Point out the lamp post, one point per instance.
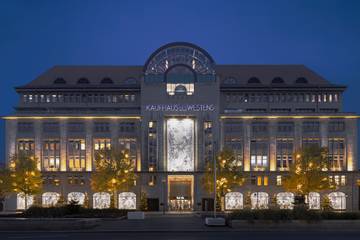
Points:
(214, 160)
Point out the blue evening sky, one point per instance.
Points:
(35, 35)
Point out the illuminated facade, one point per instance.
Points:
(172, 114)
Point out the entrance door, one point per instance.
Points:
(207, 204)
(180, 193)
(153, 204)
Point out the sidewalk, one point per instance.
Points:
(156, 222)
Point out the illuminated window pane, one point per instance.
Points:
(233, 201)
(338, 200)
(50, 199)
(21, 201)
(127, 200)
(314, 200)
(78, 197)
(285, 200)
(101, 200)
(259, 200)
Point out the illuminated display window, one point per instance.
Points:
(259, 200)
(285, 200)
(314, 200)
(127, 200)
(77, 197)
(101, 200)
(337, 200)
(233, 201)
(26, 146)
(102, 144)
(50, 199)
(284, 152)
(21, 199)
(259, 150)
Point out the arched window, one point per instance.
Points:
(50, 199)
(277, 80)
(77, 197)
(101, 200)
(83, 81)
(314, 200)
(259, 200)
(338, 200)
(301, 80)
(230, 80)
(285, 200)
(254, 80)
(233, 201)
(59, 81)
(127, 200)
(107, 80)
(20, 201)
(180, 80)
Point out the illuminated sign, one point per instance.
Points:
(180, 107)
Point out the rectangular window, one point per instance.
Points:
(127, 127)
(285, 127)
(129, 146)
(208, 141)
(25, 127)
(310, 142)
(259, 151)
(76, 155)
(76, 127)
(336, 154)
(236, 145)
(26, 146)
(311, 127)
(102, 144)
(278, 180)
(152, 145)
(51, 155)
(284, 152)
(101, 127)
(51, 127)
(337, 126)
(266, 180)
(259, 180)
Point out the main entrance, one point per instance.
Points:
(180, 192)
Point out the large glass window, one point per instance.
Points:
(314, 200)
(310, 142)
(127, 200)
(51, 155)
(259, 150)
(284, 152)
(76, 154)
(21, 199)
(233, 201)
(129, 145)
(50, 199)
(285, 200)
(338, 200)
(236, 145)
(101, 200)
(259, 200)
(336, 154)
(77, 197)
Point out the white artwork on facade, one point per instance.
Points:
(77, 197)
(338, 200)
(101, 200)
(314, 200)
(259, 200)
(20, 201)
(50, 199)
(180, 145)
(127, 200)
(285, 200)
(233, 201)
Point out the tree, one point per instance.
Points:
(228, 174)
(308, 173)
(5, 183)
(25, 178)
(114, 172)
(143, 201)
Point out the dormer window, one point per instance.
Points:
(107, 81)
(83, 81)
(301, 80)
(277, 80)
(254, 80)
(59, 81)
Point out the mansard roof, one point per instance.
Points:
(130, 76)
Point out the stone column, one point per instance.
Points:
(63, 145)
(298, 134)
(38, 142)
(324, 132)
(351, 144)
(247, 138)
(10, 139)
(90, 166)
(272, 144)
